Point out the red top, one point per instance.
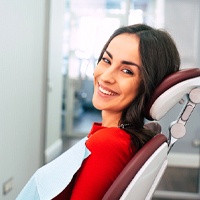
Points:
(110, 152)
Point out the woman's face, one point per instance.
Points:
(117, 75)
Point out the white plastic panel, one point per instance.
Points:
(146, 180)
(172, 96)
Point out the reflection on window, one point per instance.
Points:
(136, 16)
(94, 32)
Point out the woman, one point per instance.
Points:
(131, 65)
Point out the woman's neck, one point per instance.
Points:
(110, 119)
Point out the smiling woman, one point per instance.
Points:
(148, 53)
(132, 63)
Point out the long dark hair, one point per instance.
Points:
(160, 58)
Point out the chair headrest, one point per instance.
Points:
(172, 89)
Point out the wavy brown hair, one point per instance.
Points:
(160, 58)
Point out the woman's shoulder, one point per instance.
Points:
(112, 138)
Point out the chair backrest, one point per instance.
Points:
(132, 168)
(139, 179)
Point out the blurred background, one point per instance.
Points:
(48, 51)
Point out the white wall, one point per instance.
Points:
(23, 49)
(53, 144)
(182, 20)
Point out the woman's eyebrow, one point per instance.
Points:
(109, 54)
(130, 63)
(123, 62)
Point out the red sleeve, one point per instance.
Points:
(110, 152)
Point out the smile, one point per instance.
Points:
(106, 91)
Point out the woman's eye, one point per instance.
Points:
(127, 71)
(106, 60)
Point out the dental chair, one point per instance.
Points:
(139, 179)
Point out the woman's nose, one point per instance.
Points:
(109, 75)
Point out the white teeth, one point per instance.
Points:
(105, 91)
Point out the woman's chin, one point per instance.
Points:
(98, 107)
(95, 104)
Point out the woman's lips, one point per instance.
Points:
(106, 91)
